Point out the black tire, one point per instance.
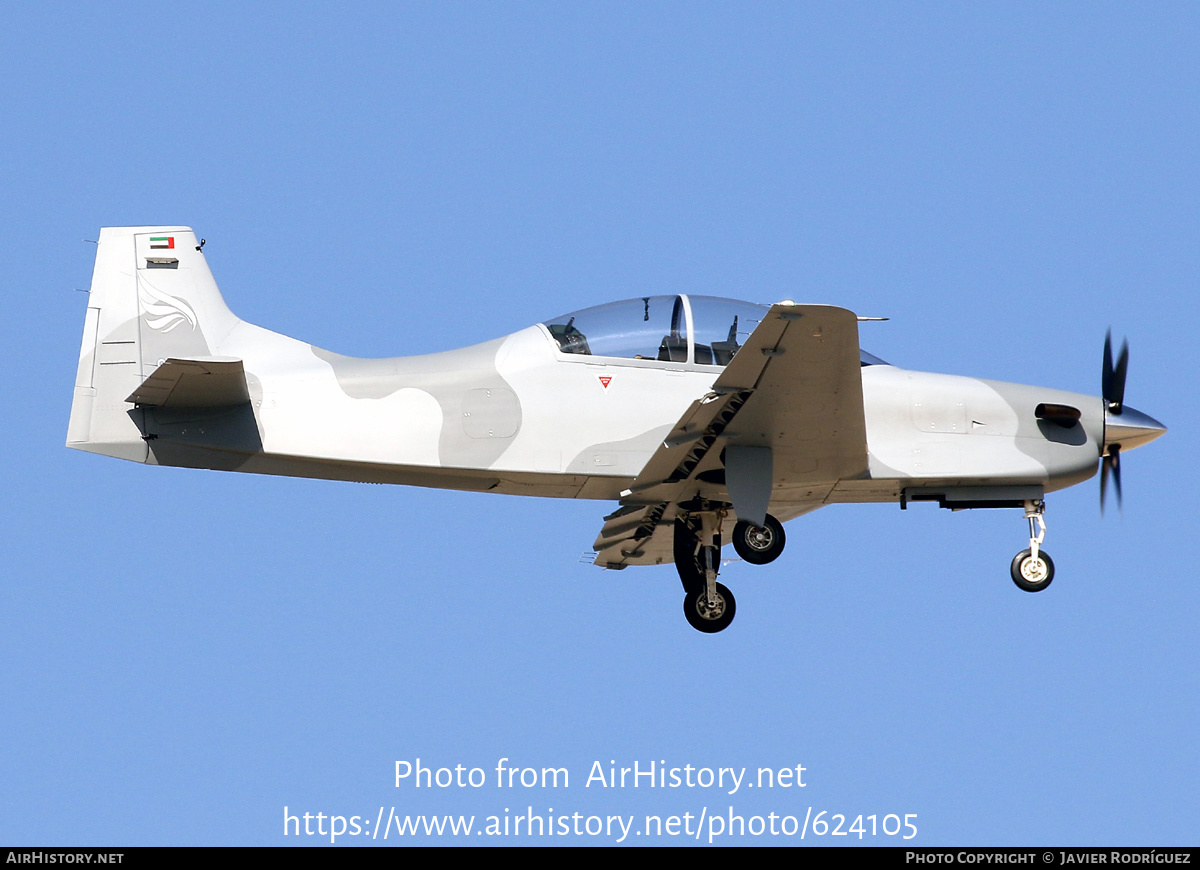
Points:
(758, 546)
(703, 618)
(1031, 576)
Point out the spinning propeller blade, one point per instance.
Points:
(1112, 381)
(1111, 461)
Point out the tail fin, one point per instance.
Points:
(152, 298)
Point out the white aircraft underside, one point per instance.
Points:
(708, 420)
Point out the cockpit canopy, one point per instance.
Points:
(702, 330)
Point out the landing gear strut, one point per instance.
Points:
(708, 605)
(1032, 569)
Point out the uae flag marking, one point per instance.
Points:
(158, 243)
(604, 380)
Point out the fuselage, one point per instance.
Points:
(517, 415)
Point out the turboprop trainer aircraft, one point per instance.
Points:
(709, 421)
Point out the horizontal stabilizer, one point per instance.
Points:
(198, 382)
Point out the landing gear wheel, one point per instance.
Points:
(709, 616)
(756, 545)
(1030, 574)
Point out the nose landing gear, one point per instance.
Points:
(1033, 569)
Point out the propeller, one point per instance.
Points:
(1112, 382)
(1112, 388)
(1112, 462)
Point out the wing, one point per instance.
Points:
(782, 425)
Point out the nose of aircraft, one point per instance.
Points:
(1129, 428)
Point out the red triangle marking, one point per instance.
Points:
(604, 380)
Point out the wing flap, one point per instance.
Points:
(636, 535)
(630, 523)
(199, 382)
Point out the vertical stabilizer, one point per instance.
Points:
(152, 297)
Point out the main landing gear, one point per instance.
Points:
(1033, 570)
(709, 606)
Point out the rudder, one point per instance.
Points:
(152, 297)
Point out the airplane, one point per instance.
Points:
(709, 421)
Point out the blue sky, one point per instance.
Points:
(185, 653)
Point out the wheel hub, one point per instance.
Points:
(760, 538)
(1034, 570)
(710, 608)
